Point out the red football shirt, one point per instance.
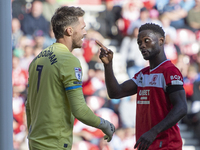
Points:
(153, 104)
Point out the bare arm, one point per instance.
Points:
(115, 90)
(178, 111)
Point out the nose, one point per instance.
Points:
(85, 32)
(142, 45)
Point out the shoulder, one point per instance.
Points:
(172, 74)
(169, 67)
(143, 71)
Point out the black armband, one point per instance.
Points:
(173, 88)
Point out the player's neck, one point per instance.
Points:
(66, 42)
(156, 61)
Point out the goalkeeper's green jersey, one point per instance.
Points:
(50, 117)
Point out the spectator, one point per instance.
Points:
(171, 49)
(39, 38)
(49, 7)
(144, 18)
(131, 9)
(130, 12)
(177, 11)
(154, 16)
(103, 145)
(19, 127)
(167, 27)
(124, 139)
(160, 5)
(89, 46)
(117, 140)
(24, 40)
(95, 80)
(192, 76)
(183, 62)
(19, 76)
(196, 95)
(198, 60)
(42, 40)
(18, 9)
(108, 22)
(35, 20)
(49, 39)
(16, 32)
(27, 57)
(149, 4)
(127, 110)
(37, 50)
(193, 16)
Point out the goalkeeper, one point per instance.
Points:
(55, 87)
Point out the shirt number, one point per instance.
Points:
(39, 69)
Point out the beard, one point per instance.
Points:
(77, 41)
(152, 53)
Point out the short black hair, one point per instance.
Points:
(153, 27)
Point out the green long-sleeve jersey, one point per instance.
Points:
(54, 98)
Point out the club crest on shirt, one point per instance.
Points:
(153, 80)
(78, 73)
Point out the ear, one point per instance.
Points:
(161, 41)
(69, 31)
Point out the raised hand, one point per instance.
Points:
(106, 55)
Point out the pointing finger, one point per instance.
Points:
(101, 45)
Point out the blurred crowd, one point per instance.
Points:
(116, 26)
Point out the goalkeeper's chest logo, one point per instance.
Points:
(78, 73)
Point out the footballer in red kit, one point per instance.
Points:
(161, 98)
(151, 87)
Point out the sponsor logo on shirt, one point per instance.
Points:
(143, 97)
(176, 80)
(143, 102)
(78, 73)
(144, 92)
(176, 77)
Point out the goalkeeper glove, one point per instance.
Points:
(107, 128)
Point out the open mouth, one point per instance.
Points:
(144, 52)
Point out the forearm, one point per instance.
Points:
(112, 85)
(80, 110)
(170, 120)
(178, 111)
